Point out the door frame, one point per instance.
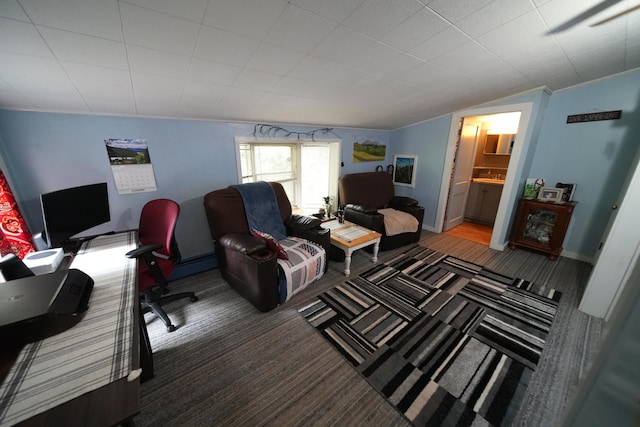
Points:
(456, 170)
(513, 183)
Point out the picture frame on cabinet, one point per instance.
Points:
(569, 191)
(550, 194)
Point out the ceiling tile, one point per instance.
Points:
(335, 10)
(223, 46)
(274, 59)
(419, 27)
(215, 73)
(151, 61)
(493, 15)
(69, 102)
(530, 29)
(243, 96)
(252, 18)
(299, 29)
(256, 80)
(454, 11)
(304, 88)
(20, 37)
(35, 76)
(192, 10)
(558, 12)
(11, 9)
(468, 56)
(326, 72)
(79, 48)
(200, 100)
(156, 30)
(102, 88)
(95, 18)
(194, 89)
(375, 18)
(440, 44)
(93, 81)
(354, 49)
(400, 65)
(156, 95)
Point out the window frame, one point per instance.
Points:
(335, 157)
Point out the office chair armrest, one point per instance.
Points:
(144, 249)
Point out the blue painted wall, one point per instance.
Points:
(427, 140)
(44, 152)
(598, 156)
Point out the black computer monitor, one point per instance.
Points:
(71, 211)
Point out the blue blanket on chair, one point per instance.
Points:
(262, 209)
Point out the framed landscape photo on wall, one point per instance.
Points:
(404, 170)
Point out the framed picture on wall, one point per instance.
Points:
(404, 170)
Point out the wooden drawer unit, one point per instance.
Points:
(541, 226)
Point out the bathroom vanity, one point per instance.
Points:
(483, 200)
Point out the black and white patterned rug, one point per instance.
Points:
(445, 341)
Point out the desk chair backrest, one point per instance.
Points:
(157, 224)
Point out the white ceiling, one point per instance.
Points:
(379, 64)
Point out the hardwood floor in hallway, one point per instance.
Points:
(472, 231)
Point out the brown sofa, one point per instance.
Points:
(245, 261)
(362, 194)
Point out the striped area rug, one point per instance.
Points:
(447, 342)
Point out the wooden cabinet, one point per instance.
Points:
(541, 226)
(483, 202)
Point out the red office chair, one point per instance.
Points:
(159, 253)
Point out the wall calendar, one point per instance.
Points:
(131, 165)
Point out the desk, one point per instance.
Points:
(86, 375)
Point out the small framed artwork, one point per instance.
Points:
(404, 170)
(550, 194)
(569, 191)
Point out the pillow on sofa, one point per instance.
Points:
(272, 243)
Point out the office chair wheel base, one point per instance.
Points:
(171, 328)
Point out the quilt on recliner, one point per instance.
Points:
(305, 265)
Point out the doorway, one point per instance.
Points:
(480, 166)
(516, 169)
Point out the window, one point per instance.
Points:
(308, 170)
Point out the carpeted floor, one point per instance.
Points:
(446, 341)
(229, 364)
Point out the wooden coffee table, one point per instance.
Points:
(350, 237)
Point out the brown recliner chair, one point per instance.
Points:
(362, 194)
(245, 261)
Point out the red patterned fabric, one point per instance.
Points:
(15, 237)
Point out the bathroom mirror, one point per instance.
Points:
(499, 143)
